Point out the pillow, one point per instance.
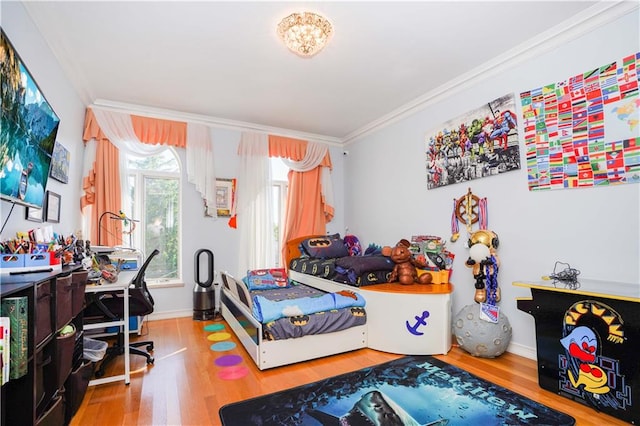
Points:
(365, 264)
(266, 279)
(324, 247)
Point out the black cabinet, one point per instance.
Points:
(587, 343)
(40, 397)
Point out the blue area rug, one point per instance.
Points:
(410, 391)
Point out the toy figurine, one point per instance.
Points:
(484, 264)
(405, 271)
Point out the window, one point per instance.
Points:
(279, 179)
(154, 200)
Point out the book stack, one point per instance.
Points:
(16, 309)
(4, 349)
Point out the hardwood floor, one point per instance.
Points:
(183, 387)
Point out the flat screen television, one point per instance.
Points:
(28, 132)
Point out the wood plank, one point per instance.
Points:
(183, 386)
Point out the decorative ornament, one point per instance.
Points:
(468, 209)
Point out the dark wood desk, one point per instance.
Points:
(588, 343)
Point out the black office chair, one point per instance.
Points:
(109, 306)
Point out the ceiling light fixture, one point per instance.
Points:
(305, 33)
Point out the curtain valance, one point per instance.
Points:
(146, 130)
(140, 136)
(163, 132)
(293, 149)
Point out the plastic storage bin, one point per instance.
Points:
(37, 259)
(94, 350)
(12, 260)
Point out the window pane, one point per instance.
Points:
(161, 210)
(163, 162)
(279, 170)
(275, 193)
(131, 234)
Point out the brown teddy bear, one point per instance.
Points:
(405, 271)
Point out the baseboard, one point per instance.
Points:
(521, 350)
(170, 314)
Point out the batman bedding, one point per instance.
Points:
(289, 309)
(342, 261)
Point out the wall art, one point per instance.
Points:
(224, 196)
(482, 142)
(60, 160)
(584, 131)
(52, 207)
(33, 214)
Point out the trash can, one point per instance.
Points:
(94, 350)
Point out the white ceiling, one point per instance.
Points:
(223, 62)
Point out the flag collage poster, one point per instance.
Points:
(584, 131)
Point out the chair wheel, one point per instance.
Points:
(99, 374)
(149, 348)
(150, 360)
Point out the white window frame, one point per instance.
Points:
(281, 204)
(139, 200)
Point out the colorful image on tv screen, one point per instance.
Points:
(27, 133)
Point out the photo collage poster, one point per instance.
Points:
(482, 142)
(584, 131)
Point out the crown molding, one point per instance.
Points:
(600, 14)
(211, 121)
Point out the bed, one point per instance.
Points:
(291, 339)
(401, 319)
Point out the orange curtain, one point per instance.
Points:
(155, 131)
(293, 149)
(102, 185)
(306, 212)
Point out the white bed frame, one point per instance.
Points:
(401, 319)
(274, 353)
(395, 313)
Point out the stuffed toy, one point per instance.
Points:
(405, 271)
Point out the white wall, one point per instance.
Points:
(595, 230)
